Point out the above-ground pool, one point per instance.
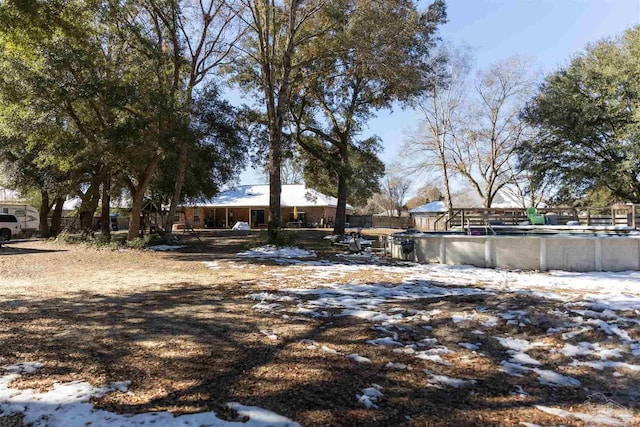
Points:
(569, 248)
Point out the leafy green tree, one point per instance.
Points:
(121, 77)
(276, 31)
(73, 65)
(216, 150)
(587, 115)
(367, 170)
(189, 42)
(376, 53)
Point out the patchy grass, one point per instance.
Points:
(190, 340)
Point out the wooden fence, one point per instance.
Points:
(625, 215)
(367, 221)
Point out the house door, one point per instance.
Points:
(257, 217)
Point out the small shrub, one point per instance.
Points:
(139, 243)
(116, 241)
(280, 238)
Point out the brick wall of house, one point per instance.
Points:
(313, 215)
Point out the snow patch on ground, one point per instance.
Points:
(166, 247)
(360, 359)
(545, 377)
(608, 420)
(514, 343)
(67, 404)
(212, 265)
(469, 346)
(448, 381)
(552, 378)
(270, 251)
(370, 396)
(600, 365)
(523, 358)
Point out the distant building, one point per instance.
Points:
(300, 206)
(425, 217)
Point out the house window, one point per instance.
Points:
(196, 218)
(301, 217)
(257, 217)
(5, 210)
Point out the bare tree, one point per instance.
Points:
(394, 190)
(484, 144)
(291, 170)
(526, 189)
(430, 150)
(425, 194)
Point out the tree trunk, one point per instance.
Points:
(275, 185)
(45, 208)
(105, 215)
(177, 190)
(137, 194)
(447, 190)
(90, 201)
(88, 209)
(134, 217)
(341, 208)
(56, 217)
(344, 173)
(488, 198)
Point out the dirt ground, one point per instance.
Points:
(189, 340)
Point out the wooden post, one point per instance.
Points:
(226, 217)
(249, 218)
(588, 216)
(633, 216)
(613, 216)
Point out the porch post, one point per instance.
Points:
(226, 217)
(249, 217)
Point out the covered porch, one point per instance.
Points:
(256, 216)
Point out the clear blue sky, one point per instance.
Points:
(548, 31)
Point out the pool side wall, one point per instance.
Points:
(575, 253)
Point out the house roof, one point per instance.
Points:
(297, 195)
(432, 207)
(510, 196)
(72, 204)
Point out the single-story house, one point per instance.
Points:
(425, 216)
(300, 206)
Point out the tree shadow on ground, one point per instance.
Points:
(190, 348)
(6, 249)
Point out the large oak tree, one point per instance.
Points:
(588, 119)
(376, 53)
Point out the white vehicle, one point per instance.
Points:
(27, 215)
(9, 227)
